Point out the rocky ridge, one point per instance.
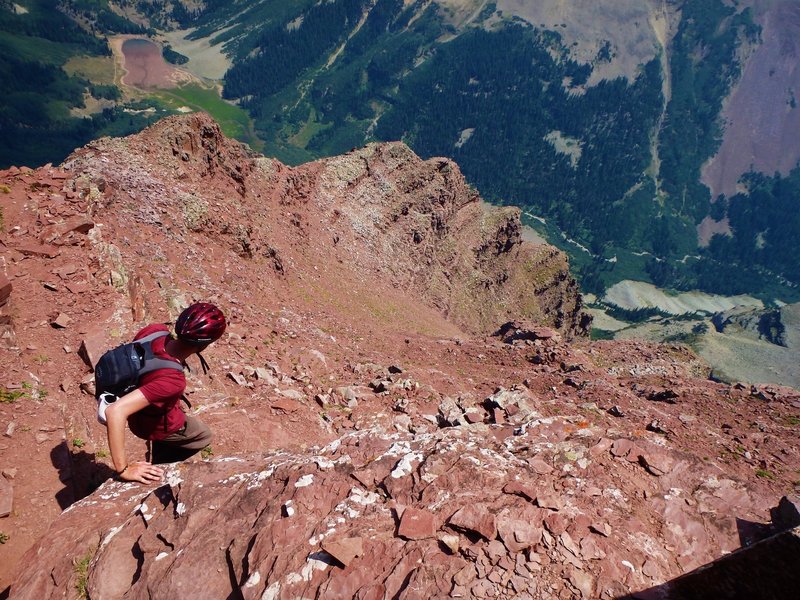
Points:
(376, 212)
(371, 440)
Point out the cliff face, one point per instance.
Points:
(370, 439)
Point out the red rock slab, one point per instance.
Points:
(78, 224)
(541, 467)
(66, 270)
(476, 518)
(601, 447)
(473, 417)
(556, 523)
(6, 497)
(5, 289)
(550, 500)
(591, 548)
(520, 489)
(517, 534)
(417, 524)
(621, 447)
(345, 550)
(92, 347)
(41, 250)
(287, 405)
(77, 288)
(601, 528)
(61, 321)
(656, 462)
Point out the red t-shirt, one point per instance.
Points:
(163, 389)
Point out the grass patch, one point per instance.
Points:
(764, 474)
(207, 452)
(309, 129)
(58, 110)
(81, 569)
(78, 443)
(793, 421)
(10, 396)
(3, 537)
(286, 153)
(601, 334)
(97, 69)
(36, 49)
(28, 391)
(102, 453)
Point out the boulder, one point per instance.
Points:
(93, 345)
(344, 550)
(417, 524)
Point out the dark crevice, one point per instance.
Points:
(170, 545)
(236, 592)
(137, 553)
(246, 560)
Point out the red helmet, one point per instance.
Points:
(201, 323)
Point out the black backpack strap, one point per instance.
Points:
(203, 363)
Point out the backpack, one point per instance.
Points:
(118, 370)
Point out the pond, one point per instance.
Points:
(145, 66)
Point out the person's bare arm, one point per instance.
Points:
(116, 418)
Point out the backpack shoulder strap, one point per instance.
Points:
(151, 337)
(152, 362)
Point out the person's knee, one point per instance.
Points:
(206, 437)
(203, 436)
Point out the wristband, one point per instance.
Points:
(125, 468)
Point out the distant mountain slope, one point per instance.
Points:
(762, 125)
(602, 130)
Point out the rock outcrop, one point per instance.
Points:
(465, 512)
(378, 212)
(779, 326)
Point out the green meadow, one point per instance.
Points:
(234, 121)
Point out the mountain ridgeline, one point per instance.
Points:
(610, 156)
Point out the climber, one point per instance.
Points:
(152, 410)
